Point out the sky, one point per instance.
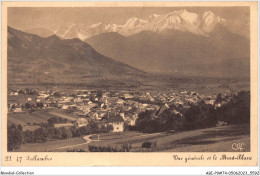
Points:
(55, 17)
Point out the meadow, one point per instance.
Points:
(216, 139)
(52, 146)
(36, 117)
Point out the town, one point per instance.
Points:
(80, 106)
(91, 118)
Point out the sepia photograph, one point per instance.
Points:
(136, 79)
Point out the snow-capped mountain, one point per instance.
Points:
(209, 21)
(178, 20)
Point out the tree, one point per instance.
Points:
(103, 129)
(39, 135)
(200, 116)
(21, 92)
(12, 107)
(20, 128)
(66, 133)
(147, 123)
(44, 125)
(218, 99)
(73, 95)
(14, 137)
(243, 107)
(146, 115)
(93, 127)
(28, 136)
(109, 128)
(56, 94)
(99, 93)
(85, 130)
(39, 105)
(51, 121)
(170, 121)
(237, 110)
(27, 105)
(57, 133)
(50, 132)
(74, 131)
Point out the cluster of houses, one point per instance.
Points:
(111, 107)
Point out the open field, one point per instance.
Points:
(125, 138)
(35, 117)
(204, 140)
(216, 139)
(59, 114)
(115, 136)
(16, 121)
(25, 117)
(52, 146)
(45, 115)
(219, 146)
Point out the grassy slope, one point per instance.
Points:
(217, 139)
(221, 146)
(50, 145)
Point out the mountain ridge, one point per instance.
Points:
(173, 51)
(182, 20)
(34, 57)
(177, 20)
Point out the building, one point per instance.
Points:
(128, 96)
(14, 93)
(130, 118)
(81, 122)
(60, 125)
(117, 122)
(210, 101)
(120, 101)
(162, 108)
(18, 109)
(64, 107)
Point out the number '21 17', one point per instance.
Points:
(18, 159)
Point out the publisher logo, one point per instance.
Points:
(238, 146)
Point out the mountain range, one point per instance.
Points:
(179, 53)
(182, 20)
(179, 43)
(35, 59)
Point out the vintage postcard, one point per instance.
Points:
(129, 84)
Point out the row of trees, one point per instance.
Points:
(236, 111)
(122, 148)
(16, 135)
(53, 120)
(148, 122)
(44, 134)
(27, 106)
(27, 91)
(91, 128)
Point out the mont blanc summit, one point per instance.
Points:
(181, 20)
